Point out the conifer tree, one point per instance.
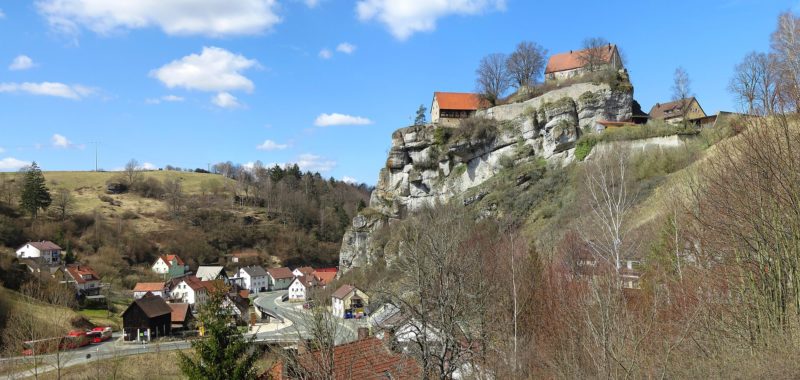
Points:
(420, 118)
(35, 195)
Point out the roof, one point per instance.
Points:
(307, 281)
(44, 245)
(282, 272)
(179, 311)
(305, 270)
(572, 59)
(343, 291)
(78, 271)
(209, 272)
(457, 100)
(168, 259)
(152, 306)
(367, 358)
(193, 282)
(254, 271)
(149, 287)
(609, 123)
(664, 110)
(326, 275)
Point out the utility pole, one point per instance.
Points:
(96, 143)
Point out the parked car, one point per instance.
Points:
(285, 298)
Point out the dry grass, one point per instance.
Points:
(163, 365)
(39, 310)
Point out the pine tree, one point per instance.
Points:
(223, 353)
(35, 194)
(420, 118)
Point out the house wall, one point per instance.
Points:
(160, 266)
(279, 284)
(297, 291)
(135, 321)
(435, 111)
(137, 295)
(338, 307)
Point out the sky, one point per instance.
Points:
(321, 83)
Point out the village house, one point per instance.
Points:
(325, 276)
(303, 271)
(85, 279)
(211, 273)
(171, 265)
(147, 318)
(300, 287)
(44, 251)
(253, 278)
(181, 316)
(448, 108)
(349, 302)
(572, 64)
(154, 288)
(189, 289)
(279, 278)
(672, 112)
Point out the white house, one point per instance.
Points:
(211, 272)
(170, 264)
(303, 271)
(300, 287)
(279, 278)
(85, 279)
(47, 251)
(575, 63)
(191, 290)
(254, 279)
(155, 288)
(350, 299)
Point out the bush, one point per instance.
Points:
(149, 188)
(584, 146)
(476, 128)
(506, 161)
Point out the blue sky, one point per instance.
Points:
(319, 82)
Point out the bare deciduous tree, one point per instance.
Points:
(132, 172)
(63, 203)
(173, 192)
(594, 54)
(525, 64)
(682, 92)
(493, 78)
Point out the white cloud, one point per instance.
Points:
(271, 145)
(148, 166)
(21, 62)
(59, 141)
(214, 69)
(404, 18)
(346, 48)
(2, 15)
(165, 98)
(11, 163)
(2, 150)
(314, 163)
(325, 54)
(214, 18)
(57, 89)
(225, 100)
(331, 119)
(311, 3)
(350, 180)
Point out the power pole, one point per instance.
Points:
(96, 143)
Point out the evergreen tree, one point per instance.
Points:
(223, 353)
(420, 118)
(35, 194)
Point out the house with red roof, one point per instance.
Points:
(171, 265)
(349, 302)
(190, 289)
(85, 279)
(449, 108)
(574, 63)
(155, 288)
(325, 276)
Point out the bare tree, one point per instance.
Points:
(493, 78)
(755, 83)
(786, 47)
(132, 172)
(594, 54)
(525, 64)
(682, 92)
(63, 203)
(173, 193)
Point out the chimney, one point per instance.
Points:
(363, 333)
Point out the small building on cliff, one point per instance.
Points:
(449, 108)
(673, 112)
(575, 63)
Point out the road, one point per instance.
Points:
(115, 348)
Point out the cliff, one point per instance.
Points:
(429, 164)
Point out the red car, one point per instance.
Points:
(99, 334)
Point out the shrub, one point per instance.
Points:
(506, 161)
(584, 146)
(476, 128)
(149, 188)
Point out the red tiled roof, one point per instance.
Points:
(325, 275)
(179, 312)
(194, 283)
(149, 287)
(572, 59)
(77, 271)
(168, 259)
(670, 109)
(306, 270)
(458, 101)
(367, 358)
(279, 273)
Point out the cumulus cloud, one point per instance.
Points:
(404, 18)
(214, 18)
(325, 54)
(11, 163)
(60, 141)
(313, 163)
(61, 90)
(269, 145)
(148, 166)
(350, 180)
(214, 69)
(165, 98)
(331, 119)
(346, 48)
(225, 100)
(21, 62)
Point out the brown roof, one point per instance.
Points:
(45, 245)
(343, 291)
(572, 59)
(168, 259)
(609, 123)
(669, 109)
(282, 272)
(325, 275)
(194, 283)
(307, 281)
(77, 271)
(179, 312)
(149, 287)
(458, 101)
(367, 358)
(306, 270)
(152, 306)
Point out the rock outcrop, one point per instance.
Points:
(432, 163)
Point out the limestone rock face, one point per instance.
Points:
(429, 164)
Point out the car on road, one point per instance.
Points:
(284, 298)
